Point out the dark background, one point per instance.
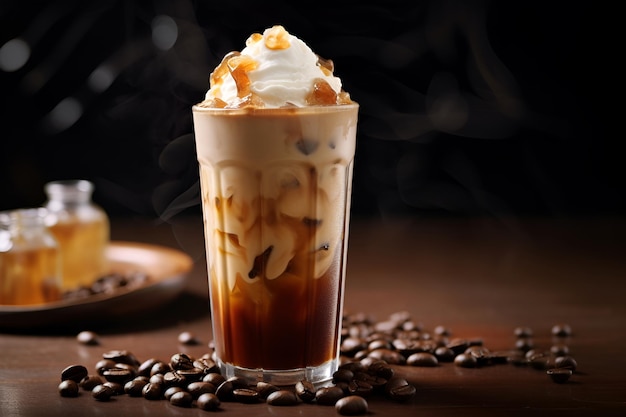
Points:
(467, 107)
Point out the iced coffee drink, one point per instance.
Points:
(275, 140)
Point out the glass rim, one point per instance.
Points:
(334, 108)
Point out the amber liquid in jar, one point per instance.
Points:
(29, 261)
(82, 230)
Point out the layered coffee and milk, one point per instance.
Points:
(275, 141)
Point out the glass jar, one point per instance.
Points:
(29, 259)
(82, 230)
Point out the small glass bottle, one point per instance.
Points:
(82, 230)
(29, 259)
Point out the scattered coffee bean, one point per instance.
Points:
(343, 375)
(181, 361)
(160, 368)
(305, 390)
(119, 375)
(181, 399)
(561, 330)
(225, 391)
(566, 362)
(328, 395)
(265, 389)
(68, 388)
(399, 389)
(360, 388)
(188, 338)
(352, 405)
(523, 331)
(171, 391)
(559, 349)
(559, 375)
(88, 338)
(152, 391)
(282, 398)
(524, 344)
(117, 388)
(74, 373)
(245, 395)
(146, 366)
(90, 381)
(102, 392)
(104, 364)
(423, 359)
(121, 356)
(214, 378)
(198, 388)
(444, 354)
(174, 379)
(134, 387)
(465, 361)
(208, 402)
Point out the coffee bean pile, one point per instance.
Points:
(370, 351)
(108, 284)
(399, 340)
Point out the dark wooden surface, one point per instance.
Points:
(478, 277)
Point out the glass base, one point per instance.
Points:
(318, 375)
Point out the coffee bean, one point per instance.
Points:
(282, 398)
(352, 405)
(68, 388)
(133, 387)
(208, 402)
(342, 375)
(88, 338)
(379, 344)
(353, 366)
(423, 359)
(74, 373)
(121, 356)
(559, 349)
(380, 369)
(523, 331)
(390, 356)
(207, 365)
(567, 362)
(198, 388)
(351, 345)
(561, 330)
(160, 368)
(458, 345)
(360, 388)
(146, 366)
(465, 361)
(328, 395)
(524, 344)
(214, 378)
(171, 391)
(118, 375)
(399, 389)
(174, 379)
(157, 379)
(181, 399)
(152, 391)
(559, 375)
(305, 390)
(191, 375)
(225, 391)
(444, 354)
(90, 381)
(265, 389)
(187, 338)
(102, 392)
(180, 361)
(245, 395)
(103, 365)
(117, 388)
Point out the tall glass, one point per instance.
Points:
(276, 188)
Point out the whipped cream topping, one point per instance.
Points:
(275, 69)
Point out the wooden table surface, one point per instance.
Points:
(477, 277)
